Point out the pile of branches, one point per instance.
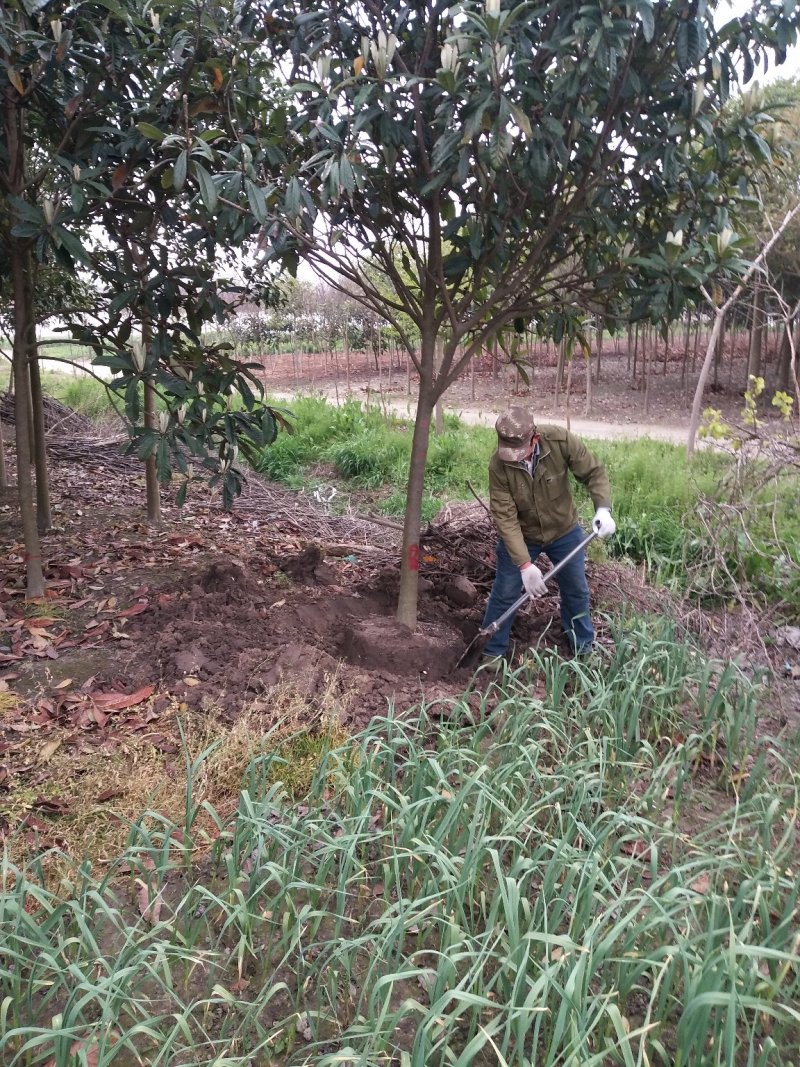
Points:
(462, 538)
(59, 420)
(311, 519)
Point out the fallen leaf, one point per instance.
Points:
(47, 750)
(64, 685)
(150, 910)
(91, 1054)
(637, 848)
(701, 884)
(51, 805)
(134, 609)
(108, 794)
(118, 701)
(189, 680)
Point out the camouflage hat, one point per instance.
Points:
(515, 428)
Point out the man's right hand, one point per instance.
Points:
(533, 581)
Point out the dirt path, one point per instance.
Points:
(485, 415)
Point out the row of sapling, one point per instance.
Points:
(461, 172)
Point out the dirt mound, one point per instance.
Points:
(228, 580)
(383, 643)
(229, 636)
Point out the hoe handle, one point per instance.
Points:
(493, 627)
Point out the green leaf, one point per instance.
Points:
(122, 300)
(72, 245)
(256, 200)
(179, 174)
(152, 133)
(208, 191)
(645, 10)
(163, 464)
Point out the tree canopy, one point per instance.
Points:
(477, 166)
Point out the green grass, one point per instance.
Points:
(500, 879)
(656, 492)
(371, 452)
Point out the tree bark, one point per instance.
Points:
(23, 323)
(412, 523)
(686, 341)
(600, 335)
(587, 410)
(3, 471)
(647, 366)
(719, 352)
(755, 353)
(44, 518)
(24, 333)
(791, 339)
(152, 488)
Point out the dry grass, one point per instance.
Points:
(85, 800)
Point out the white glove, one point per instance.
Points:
(533, 581)
(602, 523)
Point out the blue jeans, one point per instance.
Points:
(572, 585)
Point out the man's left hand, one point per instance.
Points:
(602, 523)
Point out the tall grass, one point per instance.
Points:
(496, 879)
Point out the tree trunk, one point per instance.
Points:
(562, 355)
(686, 342)
(647, 364)
(23, 325)
(587, 410)
(24, 335)
(44, 518)
(569, 386)
(755, 353)
(346, 342)
(152, 488)
(718, 353)
(438, 409)
(601, 329)
(791, 338)
(3, 471)
(412, 523)
(696, 341)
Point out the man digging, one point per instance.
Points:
(533, 509)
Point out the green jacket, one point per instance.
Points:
(541, 508)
